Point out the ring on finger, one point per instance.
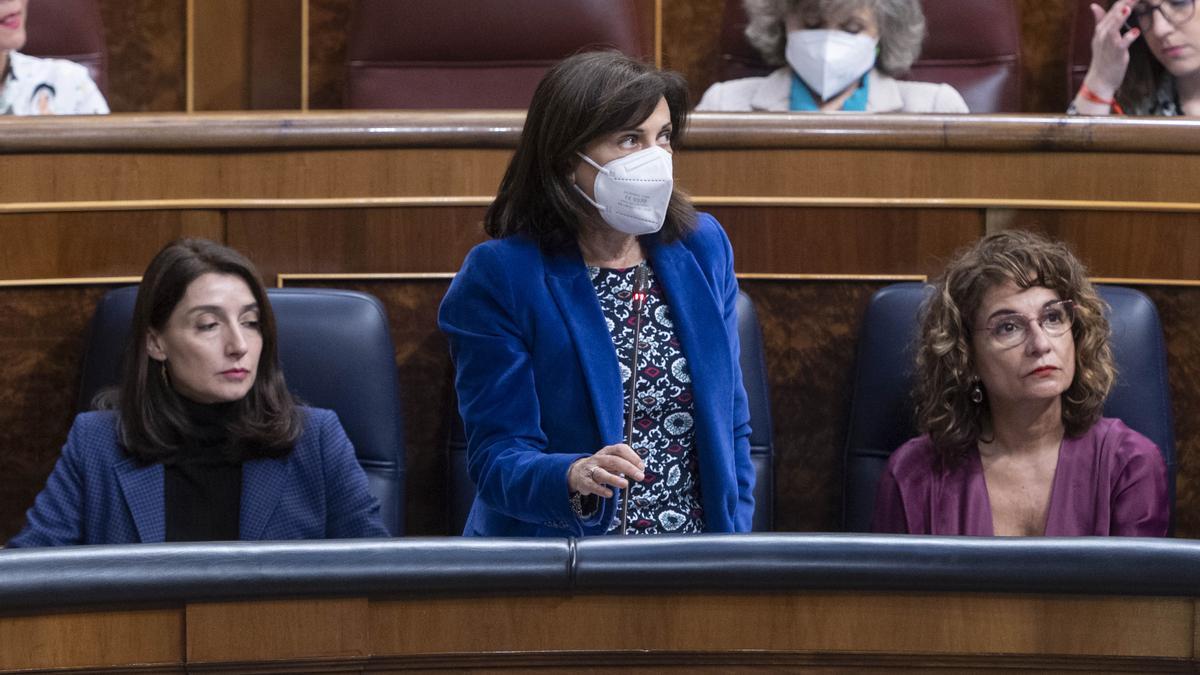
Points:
(591, 474)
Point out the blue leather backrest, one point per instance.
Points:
(882, 408)
(754, 375)
(336, 352)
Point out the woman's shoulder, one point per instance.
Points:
(505, 253)
(930, 97)
(94, 434)
(915, 453)
(1121, 442)
(49, 68)
(707, 239)
(746, 94)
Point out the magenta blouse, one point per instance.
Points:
(1109, 481)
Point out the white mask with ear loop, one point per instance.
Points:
(634, 191)
(830, 60)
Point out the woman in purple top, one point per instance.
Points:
(1012, 371)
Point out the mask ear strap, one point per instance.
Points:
(589, 160)
(589, 199)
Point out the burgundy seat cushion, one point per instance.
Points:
(973, 45)
(479, 54)
(69, 29)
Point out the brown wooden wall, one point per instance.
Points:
(247, 55)
(709, 632)
(821, 210)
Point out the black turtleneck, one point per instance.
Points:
(202, 488)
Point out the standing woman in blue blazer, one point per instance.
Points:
(202, 441)
(541, 322)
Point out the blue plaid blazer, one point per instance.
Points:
(98, 494)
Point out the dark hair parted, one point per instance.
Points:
(579, 100)
(154, 423)
(945, 360)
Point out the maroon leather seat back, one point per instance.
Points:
(69, 29)
(1079, 54)
(477, 54)
(974, 45)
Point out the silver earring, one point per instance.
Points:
(165, 378)
(976, 393)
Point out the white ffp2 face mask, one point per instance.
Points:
(830, 60)
(633, 192)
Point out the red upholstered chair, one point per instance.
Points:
(478, 54)
(974, 45)
(69, 29)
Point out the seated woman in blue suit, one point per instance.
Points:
(205, 442)
(541, 322)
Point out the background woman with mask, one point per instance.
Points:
(838, 55)
(541, 323)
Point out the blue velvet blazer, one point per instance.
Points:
(539, 385)
(98, 494)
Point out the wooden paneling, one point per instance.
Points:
(100, 244)
(1124, 243)
(780, 240)
(146, 51)
(130, 637)
(329, 24)
(383, 240)
(41, 348)
(220, 54)
(861, 623)
(269, 630)
(691, 41)
(1044, 30)
(707, 631)
(275, 54)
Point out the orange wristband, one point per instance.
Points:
(1090, 95)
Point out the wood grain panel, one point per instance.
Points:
(146, 41)
(268, 630)
(115, 243)
(691, 41)
(1124, 243)
(826, 622)
(386, 240)
(1044, 30)
(426, 378)
(275, 55)
(251, 176)
(329, 24)
(782, 240)
(92, 639)
(41, 349)
(221, 55)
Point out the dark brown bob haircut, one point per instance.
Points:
(945, 359)
(154, 423)
(579, 100)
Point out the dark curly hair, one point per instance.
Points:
(946, 364)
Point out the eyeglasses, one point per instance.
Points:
(1176, 12)
(1009, 330)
